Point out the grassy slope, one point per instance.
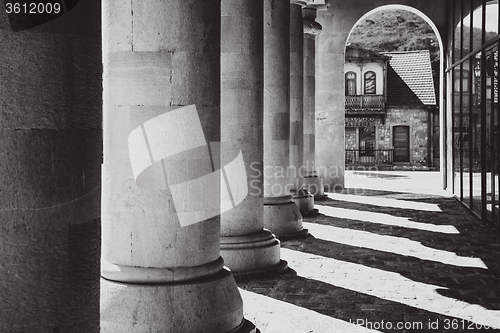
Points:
(401, 30)
(396, 30)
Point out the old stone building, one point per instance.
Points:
(148, 146)
(390, 108)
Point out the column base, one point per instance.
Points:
(211, 304)
(282, 216)
(314, 185)
(246, 327)
(305, 201)
(281, 267)
(250, 253)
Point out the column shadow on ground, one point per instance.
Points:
(343, 304)
(475, 240)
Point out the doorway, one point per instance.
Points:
(401, 141)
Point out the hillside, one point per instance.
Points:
(396, 30)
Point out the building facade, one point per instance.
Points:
(390, 109)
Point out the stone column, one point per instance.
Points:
(50, 171)
(302, 198)
(245, 245)
(281, 214)
(296, 95)
(330, 101)
(311, 29)
(161, 264)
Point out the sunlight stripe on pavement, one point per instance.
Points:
(386, 285)
(392, 244)
(382, 218)
(385, 202)
(274, 316)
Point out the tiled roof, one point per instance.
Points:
(409, 78)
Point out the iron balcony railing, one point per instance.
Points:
(369, 157)
(365, 102)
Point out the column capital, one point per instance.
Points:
(311, 27)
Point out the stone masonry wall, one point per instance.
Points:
(417, 120)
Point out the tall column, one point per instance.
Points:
(245, 245)
(330, 106)
(302, 198)
(296, 95)
(281, 214)
(311, 29)
(161, 264)
(50, 171)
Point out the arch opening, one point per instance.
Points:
(377, 111)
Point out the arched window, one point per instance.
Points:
(350, 84)
(370, 83)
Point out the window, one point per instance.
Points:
(367, 141)
(350, 84)
(370, 87)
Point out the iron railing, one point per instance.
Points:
(365, 102)
(369, 157)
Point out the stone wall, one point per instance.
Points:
(417, 119)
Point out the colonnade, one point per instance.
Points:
(206, 135)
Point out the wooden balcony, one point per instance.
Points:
(359, 102)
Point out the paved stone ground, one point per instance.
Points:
(392, 253)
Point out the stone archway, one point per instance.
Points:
(337, 23)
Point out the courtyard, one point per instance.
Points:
(392, 253)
